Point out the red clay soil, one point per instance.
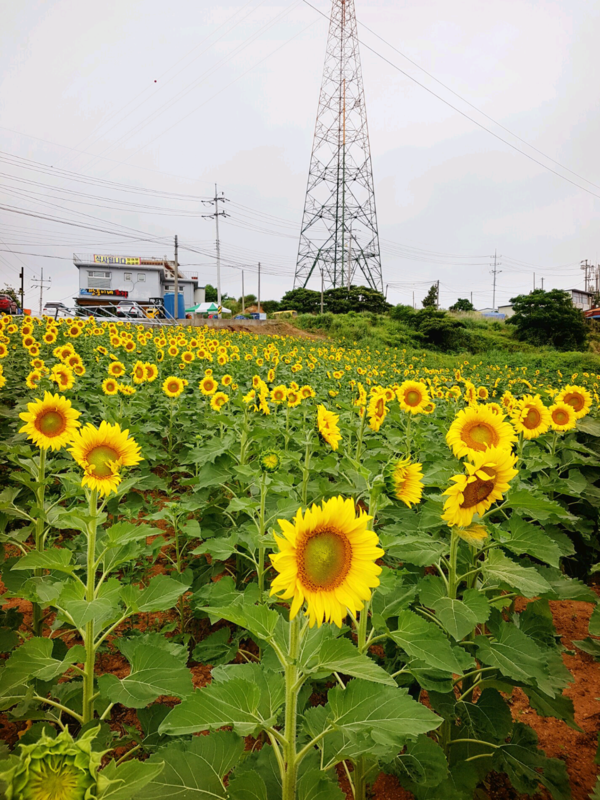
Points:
(577, 750)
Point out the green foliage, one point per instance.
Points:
(335, 301)
(543, 318)
(210, 293)
(462, 304)
(431, 298)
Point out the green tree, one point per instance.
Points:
(210, 293)
(357, 298)
(440, 330)
(548, 318)
(269, 306)
(249, 299)
(431, 298)
(462, 304)
(304, 301)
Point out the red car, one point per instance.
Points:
(7, 304)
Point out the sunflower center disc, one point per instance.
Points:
(54, 784)
(476, 492)
(533, 419)
(101, 458)
(326, 559)
(413, 398)
(561, 417)
(51, 423)
(574, 400)
(480, 436)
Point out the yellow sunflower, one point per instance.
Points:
(404, 481)
(33, 378)
(279, 394)
(116, 369)
(63, 376)
(483, 482)
(151, 371)
(327, 425)
(110, 386)
(218, 400)
(51, 422)
(412, 396)
(208, 385)
(173, 386)
(475, 429)
(377, 410)
(327, 559)
(102, 452)
(139, 372)
(578, 398)
(562, 417)
(482, 393)
(531, 417)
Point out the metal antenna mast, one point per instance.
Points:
(340, 195)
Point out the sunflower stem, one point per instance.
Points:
(452, 576)
(361, 432)
(261, 533)
(37, 617)
(89, 633)
(306, 468)
(290, 763)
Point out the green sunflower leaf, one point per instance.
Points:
(390, 715)
(194, 770)
(425, 641)
(516, 655)
(498, 567)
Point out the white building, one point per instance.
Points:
(581, 299)
(106, 280)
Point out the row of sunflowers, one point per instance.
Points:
(315, 553)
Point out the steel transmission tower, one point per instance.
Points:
(339, 235)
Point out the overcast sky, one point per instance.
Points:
(169, 98)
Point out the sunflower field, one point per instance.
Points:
(260, 568)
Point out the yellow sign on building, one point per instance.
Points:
(119, 261)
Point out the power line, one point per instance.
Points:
(474, 121)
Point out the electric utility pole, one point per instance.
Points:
(586, 268)
(22, 291)
(495, 272)
(41, 283)
(176, 274)
(243, 297)
(322, 288)
(437, 296)
(259, 289)
(216, 214)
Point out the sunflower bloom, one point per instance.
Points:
(531, 417)
(412, 396)
(218, 400)
(326, 559)
(116, 369)
(208, 385)
(102, 452)
(483, 482)
(476, 429)
(110, 386)
(562, 417)
(327, 425)
(578, 398)
(51, 422)
(377, 411)
(173, 386)
(63, 376)
(404, 481)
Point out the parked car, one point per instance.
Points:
(7, 304)
(127, 308)
(56, 310)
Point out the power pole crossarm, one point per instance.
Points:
(42, 284)
(218, 198)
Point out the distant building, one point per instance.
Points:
(581, 299)
(106, 280)
(507, 310)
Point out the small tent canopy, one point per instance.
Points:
(206, 308)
